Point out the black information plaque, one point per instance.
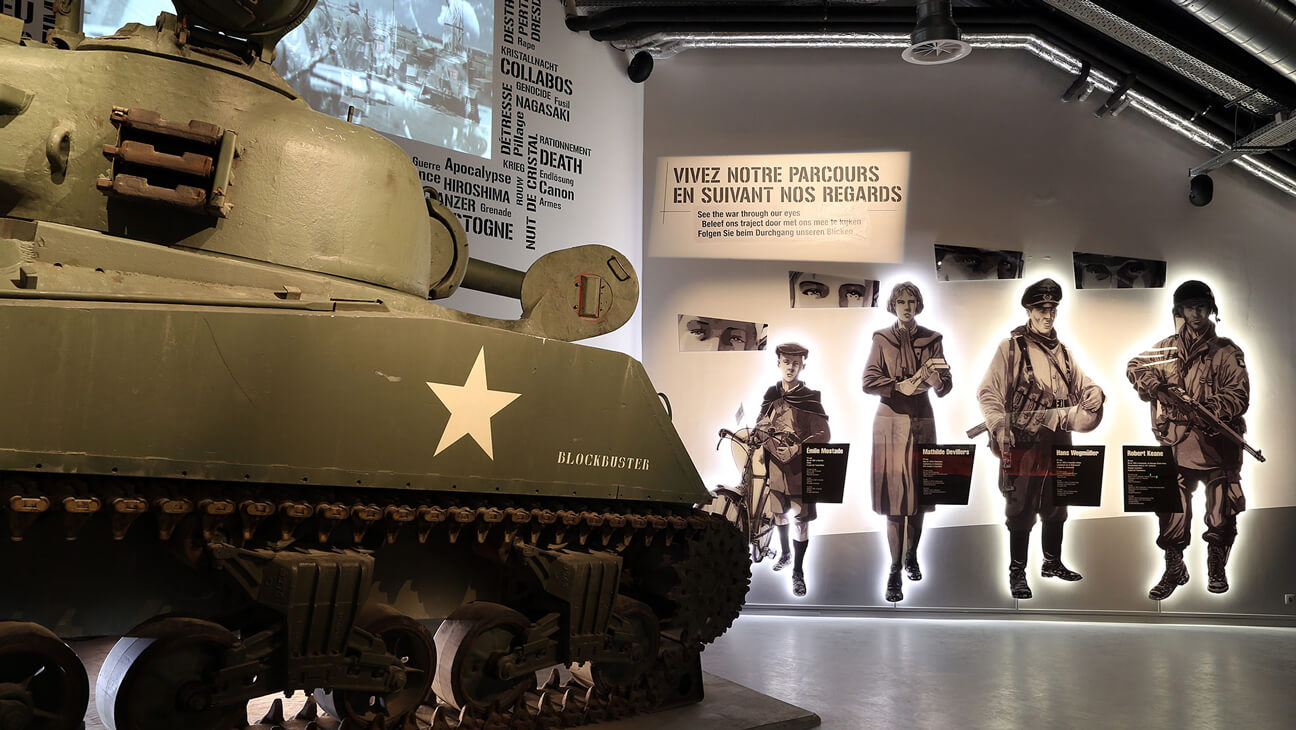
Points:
(1151, 482)
(1078, 471)
(823, 470)
(944, 473)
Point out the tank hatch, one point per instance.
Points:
(266, 21)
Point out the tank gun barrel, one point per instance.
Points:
(493, 279)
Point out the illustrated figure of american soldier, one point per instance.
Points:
(905, 361)
(791, 414)
(1185, 377)
(1032, 397)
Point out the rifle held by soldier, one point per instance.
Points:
(1211, 420)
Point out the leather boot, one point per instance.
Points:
(1017, 579)
(1216, 559)
(1175, 575)
(911, 565)
(1053, 568)
(893, 592)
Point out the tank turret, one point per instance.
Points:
(242, 422)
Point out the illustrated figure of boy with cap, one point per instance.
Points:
(1209, 370)
(791, 414)
(1033, 396)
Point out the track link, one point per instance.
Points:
(711, 568)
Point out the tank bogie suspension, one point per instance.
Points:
(624, 594)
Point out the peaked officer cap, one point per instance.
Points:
(1044, 291)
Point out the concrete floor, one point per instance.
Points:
(976, 673)
(727, 706)
(971, 673)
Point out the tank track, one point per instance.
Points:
(555, 703)
(706, 553)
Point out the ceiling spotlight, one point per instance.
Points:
(1201, 190)
(935, 39)
(1082, 87)
(640, 67)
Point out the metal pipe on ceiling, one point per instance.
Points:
(1264, 28)
(1169, 86)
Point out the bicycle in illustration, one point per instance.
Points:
(749, 505)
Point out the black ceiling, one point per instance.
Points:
(623, 23)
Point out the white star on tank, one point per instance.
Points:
(471, 406)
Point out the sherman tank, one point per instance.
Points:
(241, 435)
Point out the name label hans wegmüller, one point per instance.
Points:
(602, 461)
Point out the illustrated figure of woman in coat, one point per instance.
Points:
(906, 361)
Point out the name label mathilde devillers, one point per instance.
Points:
(944, 473)
(820, 207)
(603, 461)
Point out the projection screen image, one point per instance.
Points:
(422, 72)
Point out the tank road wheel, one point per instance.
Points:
(43, 685)
(162, 681)
(406, 639)
(637, 618)
(469, 645)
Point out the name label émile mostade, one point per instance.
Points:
(944, 473)
(823, 472)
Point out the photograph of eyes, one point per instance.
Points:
(1100, 271)
(711, 334)
(961, 263)
(808, 290)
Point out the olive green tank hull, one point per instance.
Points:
(238, 431)
(329, 398)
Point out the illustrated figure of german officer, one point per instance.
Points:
(1033, 395)
(791, 414)
(905, 361)
(1210, 371)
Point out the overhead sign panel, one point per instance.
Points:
(822, 207)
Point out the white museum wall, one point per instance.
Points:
(606, 116)
(997, 162)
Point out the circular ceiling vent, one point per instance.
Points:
(935, 38)
(936, 50)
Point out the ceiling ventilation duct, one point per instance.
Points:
(1265, 28)
(935, 39)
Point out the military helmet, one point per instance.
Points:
(1194, 291)
(1044, 291)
